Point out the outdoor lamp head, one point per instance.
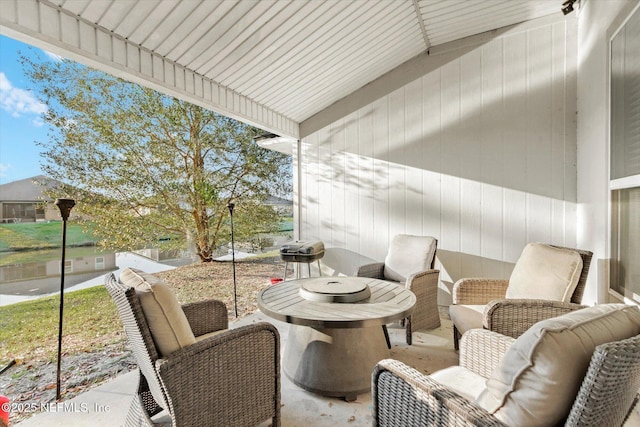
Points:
(567, 7)
(231, 206)
(65, 206)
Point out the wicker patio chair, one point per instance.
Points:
(227, 377)
(605, 393)
(482, 303)
(410, 261)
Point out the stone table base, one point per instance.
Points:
(334, 362)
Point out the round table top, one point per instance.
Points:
(335, 290)
(388, 302)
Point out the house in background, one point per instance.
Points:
(43, 276)
(23, 201)
(486, 124)
(282, 206)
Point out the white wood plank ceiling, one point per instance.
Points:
(292, 57)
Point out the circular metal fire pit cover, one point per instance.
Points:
(335, 289)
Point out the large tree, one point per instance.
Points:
(149, 169)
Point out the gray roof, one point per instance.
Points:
(274, 200)
(26, 190)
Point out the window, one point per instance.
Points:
(100, 263)
(19, 211)
(624, 277)
(625, 243)
(68, 266)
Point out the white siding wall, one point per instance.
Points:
(479, 153)
(596, 19)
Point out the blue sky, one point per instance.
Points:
(21, 121)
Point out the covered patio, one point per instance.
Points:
(482, 123)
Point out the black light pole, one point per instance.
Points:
(233, 261)
(65, 206)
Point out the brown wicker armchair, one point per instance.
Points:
(482, 303)
(603, 393)
(410, 262)
(229, 378)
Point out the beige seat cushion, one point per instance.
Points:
(167, 322)
(408, 255)
(545, 272)
(541, 373)
(461, 380)
(466, 317)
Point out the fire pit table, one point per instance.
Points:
(335, 338)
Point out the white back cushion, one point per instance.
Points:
(408, 255)
(540, 375)
(545, 272)
(168, 324)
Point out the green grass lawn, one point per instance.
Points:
(24, 257)
(25, 236)
(286, 224)
(29, 330)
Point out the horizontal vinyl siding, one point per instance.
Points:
(480, 153)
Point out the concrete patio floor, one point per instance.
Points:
(107, 404)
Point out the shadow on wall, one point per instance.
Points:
(342, 262)
(453, 266)
(505, 126)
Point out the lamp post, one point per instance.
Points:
(233, 261)
(65, 206)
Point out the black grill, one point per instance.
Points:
(298, 251)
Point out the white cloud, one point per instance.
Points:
(53, 56)
(18, 101)
(4, 168)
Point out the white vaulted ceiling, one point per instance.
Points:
(273, 63)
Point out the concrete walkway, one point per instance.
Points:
(123, 260)
(107, 405)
